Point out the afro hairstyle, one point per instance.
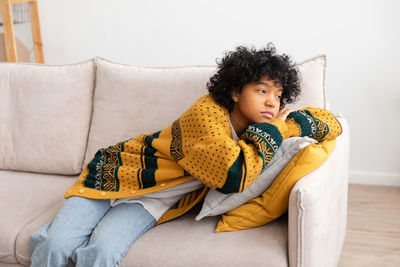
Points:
(245, 65)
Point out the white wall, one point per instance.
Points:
(360, 38)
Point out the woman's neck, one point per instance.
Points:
(238, 122)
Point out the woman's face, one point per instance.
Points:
(258, 101)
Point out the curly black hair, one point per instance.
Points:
(245, 65)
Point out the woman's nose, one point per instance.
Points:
(270, 101)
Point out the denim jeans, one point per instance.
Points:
(90, 232)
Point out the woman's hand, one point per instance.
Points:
(283, 113)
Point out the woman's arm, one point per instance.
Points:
(229, 166)
(316, 123)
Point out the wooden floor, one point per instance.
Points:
(373, 227)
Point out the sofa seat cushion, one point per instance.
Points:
(185, 242)
(23, 197)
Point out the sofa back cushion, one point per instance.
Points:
(44, 116)
(312, 72)
(131, 100)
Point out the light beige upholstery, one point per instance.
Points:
(318, 210)
(22, 241)
(11, 264)
(312, 72)
(185, 242)
(129, 100)
(44, 116)
(24, 197)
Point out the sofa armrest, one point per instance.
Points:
(318, 210)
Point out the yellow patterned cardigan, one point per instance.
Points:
(199, 144)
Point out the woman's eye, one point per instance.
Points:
(278, 96)
(261, 91)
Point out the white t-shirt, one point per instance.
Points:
(158, 203)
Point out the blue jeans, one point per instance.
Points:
(90, 232)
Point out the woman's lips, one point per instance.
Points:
(268, 114)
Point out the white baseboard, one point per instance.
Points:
(374, 178)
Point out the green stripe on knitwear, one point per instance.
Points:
(267, 139)
(318, 122)
(263, 133)
(116, 179)
(150, 138)
(119, 164)
(91, 177)
(234, 177)
(148, 174)
(304, 121)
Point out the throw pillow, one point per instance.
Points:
(274, 201)
(216, 203)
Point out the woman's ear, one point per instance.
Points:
(235, 96)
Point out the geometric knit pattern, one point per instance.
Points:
(316, 123)
(199, 145)
(306, 124)
(266, 137)
(103, 167)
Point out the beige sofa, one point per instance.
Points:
(54, 118)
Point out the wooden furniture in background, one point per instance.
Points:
(10, 44)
